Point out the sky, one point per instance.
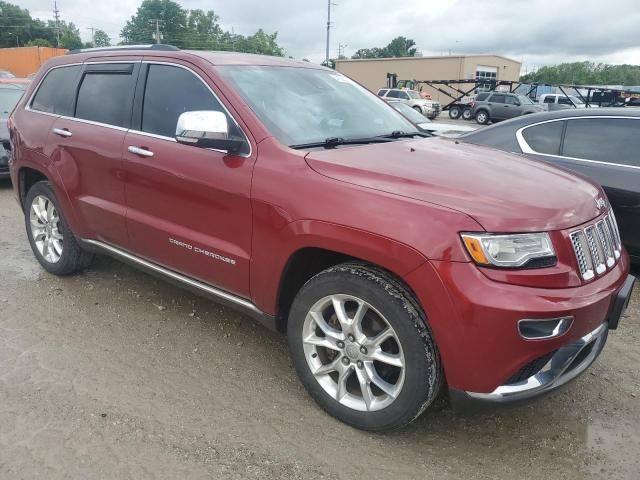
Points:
(535, 32)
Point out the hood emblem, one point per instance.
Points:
(600, 203)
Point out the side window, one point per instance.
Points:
(564, 101)
(509, 100)
(382, 92)
(545, 138)
(614, 140)
(56, 92)
(171, 91)
(105, 96)
(393, 94)
(550, 99)
(481, 97)
(497, 98)
(403, 95)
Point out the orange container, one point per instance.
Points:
(24, 61)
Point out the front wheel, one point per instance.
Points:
(361, 346)
(466, 114)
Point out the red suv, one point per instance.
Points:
(395, 263)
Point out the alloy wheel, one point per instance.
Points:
(353, 352)
(46, 229)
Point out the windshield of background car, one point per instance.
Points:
(414, 95)
(410, 113)
(308, 105)
(8, 99)
(525, 100)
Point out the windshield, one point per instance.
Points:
(412, 114)
(5, 74)
(525, 100)
(8, 99)
(308, 105)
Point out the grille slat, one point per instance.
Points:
(597, 247)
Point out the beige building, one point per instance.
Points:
(372, 73)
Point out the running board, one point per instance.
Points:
(178, 279)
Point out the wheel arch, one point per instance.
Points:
(313, 246)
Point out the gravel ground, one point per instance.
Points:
(114, 374)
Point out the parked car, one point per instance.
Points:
(556, 101)
(494, 106)
(602, 144)
(6, 74)
(9, 97)
(429, 108)
(425, 125)
(390, 260)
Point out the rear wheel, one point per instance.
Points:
(50, 238)
(454, 112)
(466, 114)
(482, 117)
(362, 348)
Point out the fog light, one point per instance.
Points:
(543, 329)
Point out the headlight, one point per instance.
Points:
(526, 249)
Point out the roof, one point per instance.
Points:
(433, 57)
(212, 57)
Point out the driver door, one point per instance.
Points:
(188, 207)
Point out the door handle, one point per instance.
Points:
(63, 132)
(143, 152)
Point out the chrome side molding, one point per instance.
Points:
(197, 286)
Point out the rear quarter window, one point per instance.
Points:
(545, 138)
(56, 92)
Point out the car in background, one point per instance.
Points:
(426, 125)
(602, 144)
(6, 74)
(9, 97)
(429, 108)
(558, 101)
(494, 106)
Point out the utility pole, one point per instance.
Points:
(93, 35)
(157, 30)
(56, 15)
(329, 3)
(341, 48)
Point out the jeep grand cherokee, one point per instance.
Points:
(396, 264)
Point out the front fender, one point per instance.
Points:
(271, 257)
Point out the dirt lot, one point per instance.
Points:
(114, 374)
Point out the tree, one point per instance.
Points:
(398, 47)
(101, 39)
(69, 35)
(585, 73)
(38, 42)
(195, 29)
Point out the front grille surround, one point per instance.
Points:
(597, 247)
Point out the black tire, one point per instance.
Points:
(454, 112)
(466, 114)
(73, 258)
(482, 117)
(423, 375)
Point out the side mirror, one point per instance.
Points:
(207, 129)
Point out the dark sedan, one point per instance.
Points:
(9, 96)
(602, 144)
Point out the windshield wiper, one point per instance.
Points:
(401, 134)
(335, 141)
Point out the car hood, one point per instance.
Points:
(446, 128)
(503, 192)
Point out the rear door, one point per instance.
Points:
(87, 149)
(189, 208)
(496, 102)
(608, 150)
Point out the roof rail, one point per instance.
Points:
(155, 46)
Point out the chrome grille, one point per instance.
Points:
(597, 247)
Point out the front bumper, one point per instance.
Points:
(561, 367)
